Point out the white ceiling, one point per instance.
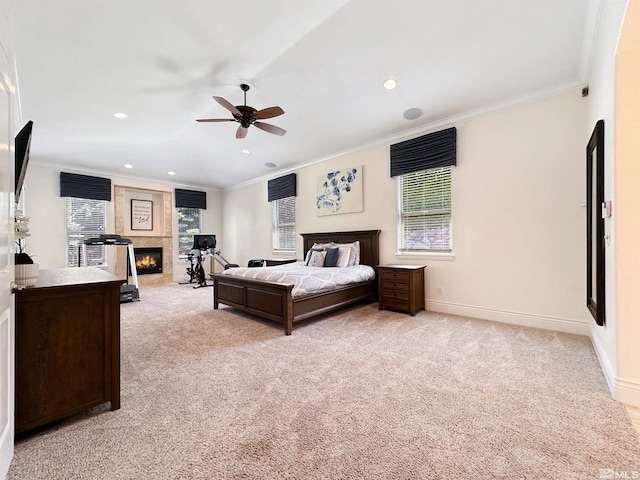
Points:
(322, 61)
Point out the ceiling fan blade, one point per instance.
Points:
(267, 127)
(241, 132)
(227, 105)
(269, 113)
(215, 120)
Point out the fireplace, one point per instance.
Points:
(148, 260)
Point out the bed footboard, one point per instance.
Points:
(269, 300)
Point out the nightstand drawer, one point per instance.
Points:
(388, 277)
(402, 306)
(396, 287)
(395, 295)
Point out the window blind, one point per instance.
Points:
(284, 224)
(434, 150)
(281, 187)
(85, 186)
(424, 216)
(86, 218)
(190, 199)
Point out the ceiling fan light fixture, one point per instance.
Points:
(390, 83)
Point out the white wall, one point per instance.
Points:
(518, 223)
(601, 106)
(46, 208)
(627, 214)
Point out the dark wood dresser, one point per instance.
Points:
(401, 287)
(67, 345)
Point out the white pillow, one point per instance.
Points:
(344, 253)
(354, 258)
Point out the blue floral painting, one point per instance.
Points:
(340, 191)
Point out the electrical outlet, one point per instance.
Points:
(439, 291)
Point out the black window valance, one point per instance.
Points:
(190, 199)
(85, 186)
(433, 150)
(281, 187)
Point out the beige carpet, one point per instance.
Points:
(361, 394)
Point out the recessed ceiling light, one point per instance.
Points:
(412, 113)
(390, 84)
(245, 151)
(171, 173)
(270, 165)
(128, 165)
(120, 115)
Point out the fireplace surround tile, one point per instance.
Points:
(163, 239)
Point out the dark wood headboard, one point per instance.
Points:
(369, 245)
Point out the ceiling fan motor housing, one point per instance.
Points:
(248, 115)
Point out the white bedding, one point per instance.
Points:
(307, 280)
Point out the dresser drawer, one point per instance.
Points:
(395, 295)
(402, 306)
(395, 286)
(391, 276)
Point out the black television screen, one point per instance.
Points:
(22, 146)
(204, 242)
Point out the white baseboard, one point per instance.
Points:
(626, 391)
(623, 390)
(566, 325)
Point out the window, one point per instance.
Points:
(284, 224)
(424, 211)
(85, 219)
(189, 224)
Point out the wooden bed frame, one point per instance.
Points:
(272, 300)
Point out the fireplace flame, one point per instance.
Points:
(146, 262)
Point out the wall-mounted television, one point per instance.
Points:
(22, 146)
(204, 242)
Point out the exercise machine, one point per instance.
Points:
(196, 270)
(203, 244)
(128, 292)
(208, 242)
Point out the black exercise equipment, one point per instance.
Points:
(128, 292)
(203, 244)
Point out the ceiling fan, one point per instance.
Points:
(247, 116)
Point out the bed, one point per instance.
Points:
(274, 301)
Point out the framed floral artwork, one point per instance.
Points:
(340, 191)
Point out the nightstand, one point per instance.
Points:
(401, 287)
(272, 262)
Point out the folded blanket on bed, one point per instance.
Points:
(307, 280)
